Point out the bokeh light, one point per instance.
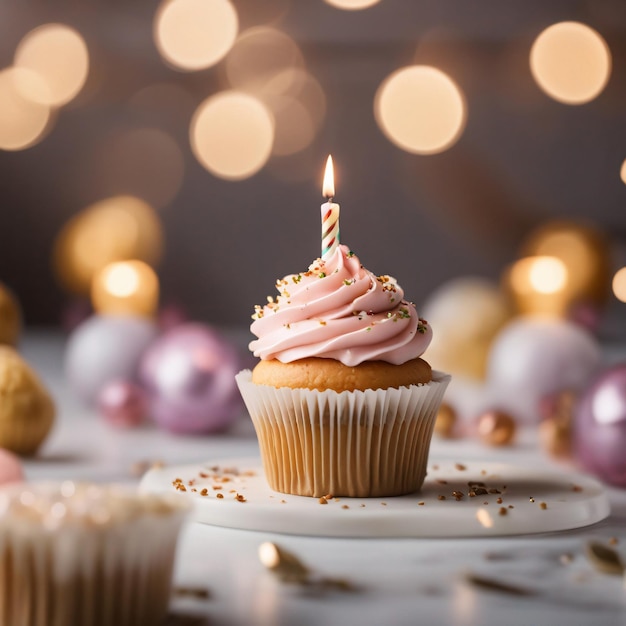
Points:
(259, 60)
(539, 274)
(352, 5)
(59, 55)
(195, 34)
(144, 162)
(125, 288)
(547, 274)
(420, 109)
(294, 128)
(537, 285)
(115, 229)
(571, 62)
(232, 135)
(23, 122)
(585, 253)
(622, 172)
(619, 284)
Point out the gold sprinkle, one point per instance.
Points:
(383, 504)
(531, 499)
(460, 467)
(323, 500)
(604, 559)
(499, 500)
(422, 503)
(240, 498)
(345, 506)
(219, 495)
(441, 497)
(441, 481)
(362, 506)
(217, 487)
(613, 541)
(577, 488)
(502, 511)
(204, 492)
(543, 505)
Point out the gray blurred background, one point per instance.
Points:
(522, 160)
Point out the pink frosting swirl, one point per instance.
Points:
(339, 310)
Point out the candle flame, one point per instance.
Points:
(328, 188)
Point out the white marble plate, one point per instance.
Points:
(519, 501)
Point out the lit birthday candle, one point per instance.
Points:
(330, 213)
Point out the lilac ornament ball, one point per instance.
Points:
(105, 348)
(123, 403)
(599, 426)
(535, 356)
(189, 373)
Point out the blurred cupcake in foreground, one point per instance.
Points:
(86, 554)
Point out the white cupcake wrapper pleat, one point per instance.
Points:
(354, 443)
(109, 576)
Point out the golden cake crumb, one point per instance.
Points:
(502, 511)
(323, 500)
(219, 495)
(460, 467)
(543, 505)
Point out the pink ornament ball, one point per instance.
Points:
(599, 426)
(123, 403)
(10, 468)
(189, 373)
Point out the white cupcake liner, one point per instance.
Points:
(115, 573)
(354, 443)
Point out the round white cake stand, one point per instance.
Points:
(518, 501)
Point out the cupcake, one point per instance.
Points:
(86, 554)
(341, 401)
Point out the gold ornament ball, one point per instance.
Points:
(467, 312)
(445, 422)
(496, 428)
(26, 410)
(10, 317)
(115, 229)
(555, 437)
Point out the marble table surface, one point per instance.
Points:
(526, 579)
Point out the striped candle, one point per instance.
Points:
(330, 214)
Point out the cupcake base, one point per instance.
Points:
(355, 443)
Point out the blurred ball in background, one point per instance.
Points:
(599, 426)
(189, 373)
(10, 317)
(536, 356)
(465, 313)
(115, 229)
(103, 349)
